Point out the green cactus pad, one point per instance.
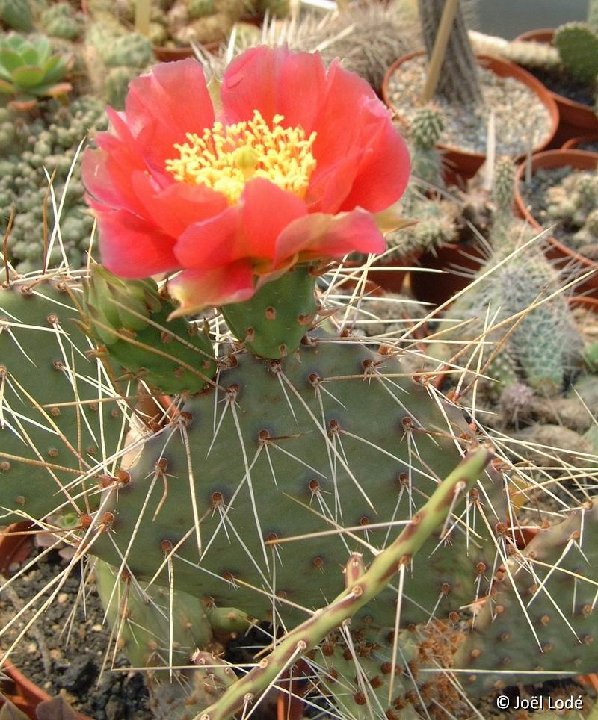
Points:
(151, 630)
(333, 435)
(541, 614)
(356, 673)
(130, 320)
(192, 690)
(273, 322)
(61, 420)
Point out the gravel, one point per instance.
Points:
(521, 120)
(72, 667)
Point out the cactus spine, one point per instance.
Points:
(362, 587)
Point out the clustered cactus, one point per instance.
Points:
(60, 20)
(114, 57)
(573, 204)
(515, 307)
(27, 146)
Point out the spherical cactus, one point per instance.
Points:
(16, 14)
(201, 8)
(60, 21)
(117, 85)
(426, 127)
(131, 50)
(577, 44)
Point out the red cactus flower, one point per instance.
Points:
(295, 163)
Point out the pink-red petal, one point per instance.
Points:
(329, 236)
(210, 244)
(198, 289)
(267, 210)
(382, 173)
(274, 81)
(178, 206)
(247, 230)
(132, 248)
(165, 104)
(355, 139)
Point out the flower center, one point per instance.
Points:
(226, 157)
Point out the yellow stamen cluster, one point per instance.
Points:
(226, 157)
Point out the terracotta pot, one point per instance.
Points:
(463, 163)
(562, 255)
(437, 288)
(168, 54)
(574, 116)
(16, 544)
(574, 143)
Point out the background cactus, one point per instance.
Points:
(424, 133)
(27, 146)
(577, 44)
(60, 20)
(114, 57)
(515, 306)
(16, 15)
(458, 82)
(29, 69)
(573, 203)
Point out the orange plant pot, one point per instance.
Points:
(456, 260)
(574, 143)
(563, 256)
(462, 163)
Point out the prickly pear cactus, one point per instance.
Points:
(359, 676)
(278, 316)
(331, 435)
(541, 614)
(62, 421)
(129, 321)
(194, 689)
(153, 629)
(157, 629)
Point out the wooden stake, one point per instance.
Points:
(143, 11)
(439, 50)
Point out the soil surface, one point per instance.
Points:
(67, 647)
(535, 196)
(563, 84)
